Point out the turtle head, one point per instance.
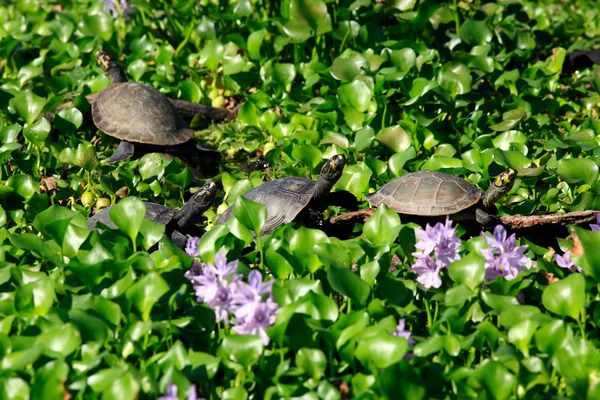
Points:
(330, 174)
(499, 187)
(332, 170)
(191, 211)
(110, 67)
(206, 194)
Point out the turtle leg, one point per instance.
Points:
(485, 219)
(124, 151)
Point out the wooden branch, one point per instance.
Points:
(512, 222)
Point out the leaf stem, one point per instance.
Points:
(428, 311)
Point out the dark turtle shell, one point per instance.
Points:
(283, 198)
(156, 212)
(427, 193)
(139, 113)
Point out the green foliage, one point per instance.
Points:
(468, 88)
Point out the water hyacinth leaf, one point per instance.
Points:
(85, 156)
(353, 117)
(395, 138)
(67, 228)
(420, 87)
(429, 346)
(475, 32)
(398, 160)
(457, 295)
(23, 185)
(383, 227)
(312, 361)
(90, 327)
(346, 68)
(242, 349)
(284, 74)
(356, 94)
(309, 155)
(250, 214)
(550, 337)
(578, 170)
(128, 215)
(355, 179)
(347, 283)
(146, 292)
(137, 68)
(255, 40)
(27, 105)
(97, 25)
(37, 132)
(495, 379)
(404, 59)
(381, 351)
(455, 78)
(152, 232)
(469, 270)
(35, 298)
(566, 297)
(235, 393)
(63, 339)
(307, 18)
(29, 242)
(521, 334)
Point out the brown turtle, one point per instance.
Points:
(294, 198)
(140, 116)
(432, 194)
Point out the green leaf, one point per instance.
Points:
(35, 298)
(469, 270)
(394, 137)
(475, 32)
(495, 379)
(250, 214)
(97, 25)
(63, 339)
(255, 40)
(347, 283)
(457, 295)
(312, 361)
(27, 105)
(403, 59)
(128, 215)
(383, 227)
(307, 18)
(455, 78)
(578, 170)
(242, 349)
(284, 74)
(590, 259)
(37, 132)
(566, 297)
(356, 94)
(381, 351)
(550, 337)
(23, 185)
(146, 292)
(67, 228)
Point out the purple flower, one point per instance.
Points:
(503, 257)
(191, 247)
(403, 332)
(111, 6)
(565, 261)
(441, 239)
(249, 295)
(171, 393)
(596, 226)
(262, 317)
(215, 284)
(428, 270)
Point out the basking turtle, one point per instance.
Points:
(430, 194)
(294, 198)
(177, 223)
(140, 116)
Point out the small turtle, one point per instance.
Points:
(431, 194)
(177, 223)
(294, 198)
(140, 116)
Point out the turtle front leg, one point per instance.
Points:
(485, 219)
(124, 151)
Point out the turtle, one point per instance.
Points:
(178, 223)
(294, 198)
(435, 194)
(140, 116)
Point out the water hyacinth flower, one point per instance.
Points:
(401, 331)
(428, 270)
(171, 393)
(596, 226)
(503, 257)
(113, 6)
(565, 261)
(191, 247)
(263, 316)
(441, 240)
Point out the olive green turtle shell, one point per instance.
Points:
(283, 198)
(427, 193)
(139, 113)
